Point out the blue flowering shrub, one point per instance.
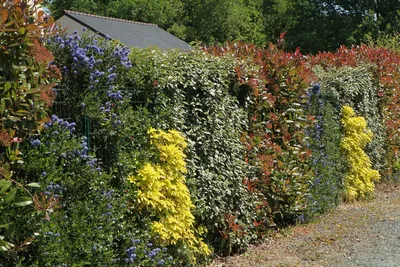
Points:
(339, 87)
(82, 216)
(178, 91)
(94, 89)
(93, 69)
(329, 166)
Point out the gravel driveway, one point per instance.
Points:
(357, 234)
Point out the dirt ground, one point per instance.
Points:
(354, 234)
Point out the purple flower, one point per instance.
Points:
(35, 143)
(111, 77)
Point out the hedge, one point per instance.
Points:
(247, 140)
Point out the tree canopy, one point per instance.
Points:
(312, 25)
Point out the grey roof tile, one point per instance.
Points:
(130, 33)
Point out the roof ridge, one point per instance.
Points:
(110, 18)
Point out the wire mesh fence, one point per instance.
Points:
(68, 106)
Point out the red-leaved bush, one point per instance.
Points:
(272, 87)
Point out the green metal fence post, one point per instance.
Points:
(87, 130)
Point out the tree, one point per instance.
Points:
(316, 25)
(214, 20)
(312, 25)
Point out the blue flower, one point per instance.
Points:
(36, 143)
(111, 77)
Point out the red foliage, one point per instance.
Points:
(278, 82)
(5, 139)
(47, 94)
(40, 53)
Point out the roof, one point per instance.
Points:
(130, 33)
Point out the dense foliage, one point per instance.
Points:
(327, 161)
(158, 158)
(385, 74)
(26, 80)
(272, 89)
(356, 88)
(196, 92)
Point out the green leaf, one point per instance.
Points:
(4, 245)
(10, 196)
(7, 86)
(4, 185)
(23, 199)
(32, 91)
(34, 185)
(2, 106)
(5, 225)
(23, 203)
(4, 182)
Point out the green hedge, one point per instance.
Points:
(355, 87)
(195, 88)
(262, 147)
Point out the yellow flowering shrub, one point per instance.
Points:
(162, 189)
(360, 177)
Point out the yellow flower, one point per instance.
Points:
(360, 175)
(162, 189)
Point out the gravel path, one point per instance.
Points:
(357, 234)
